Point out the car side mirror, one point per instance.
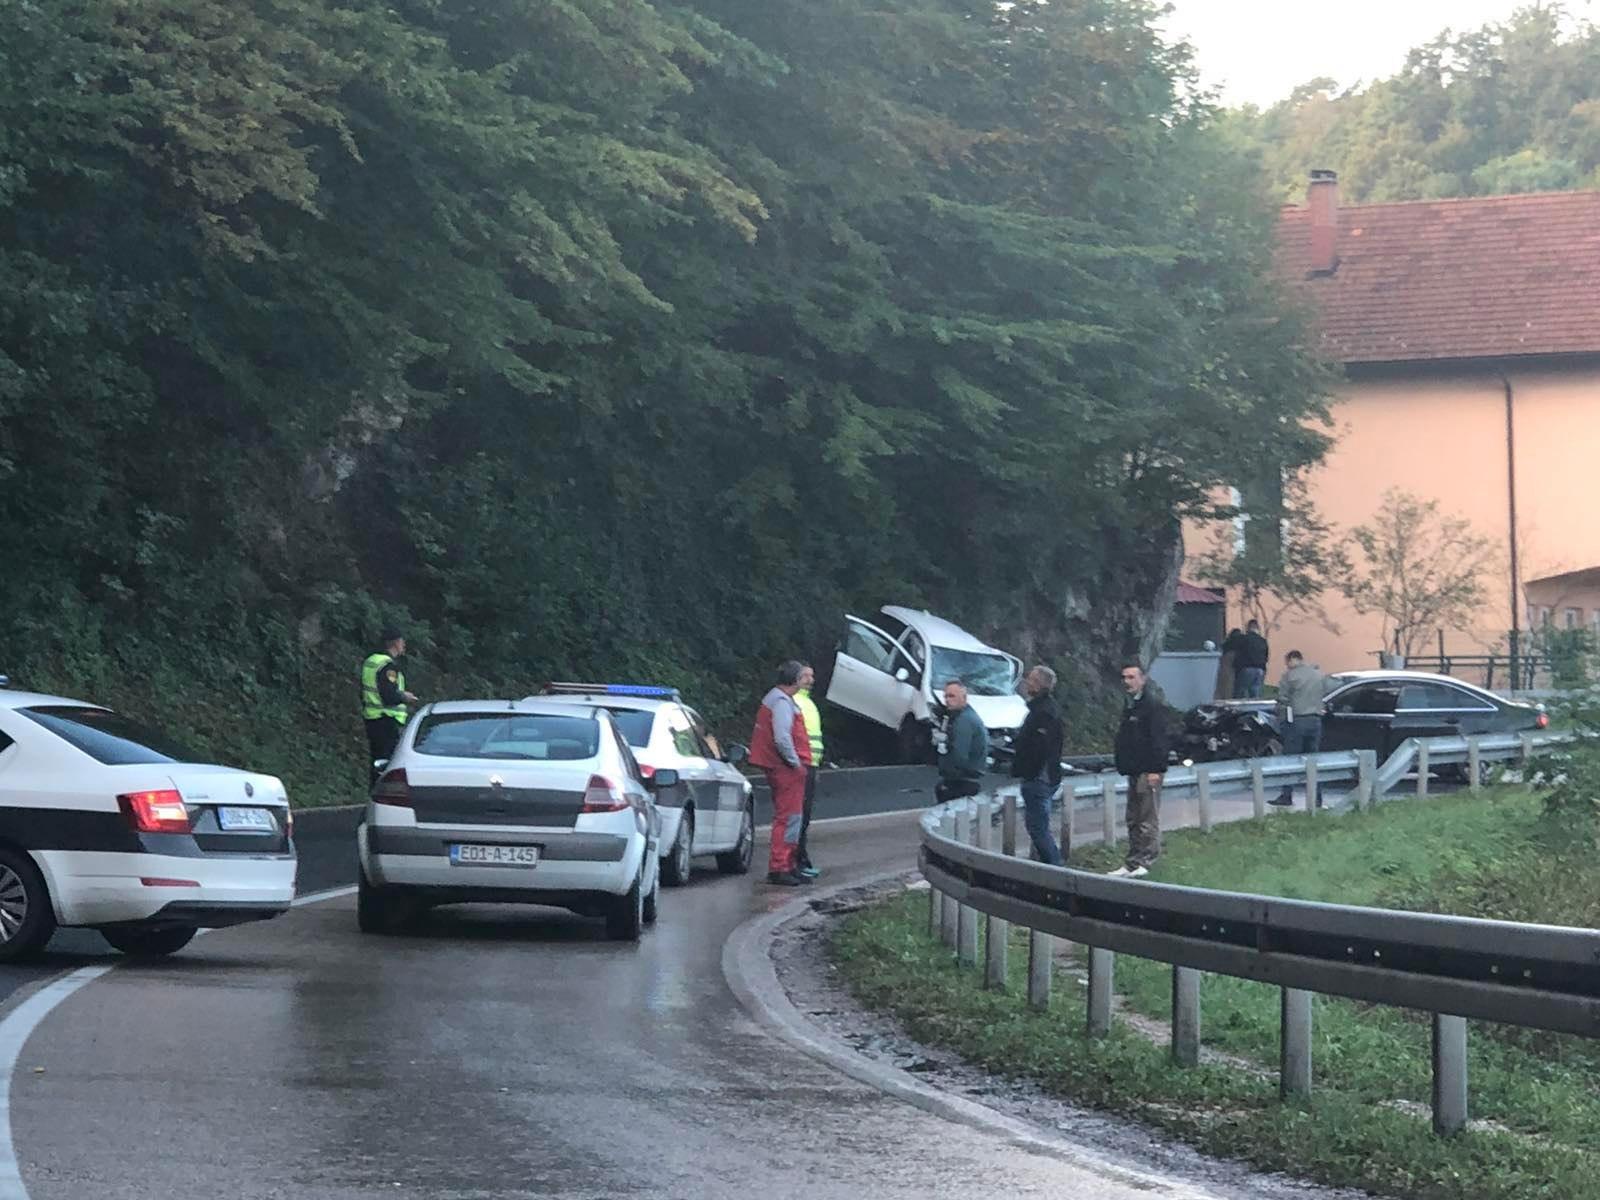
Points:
(737, 753)
(664, 777)
(378, 764)
(902, 674)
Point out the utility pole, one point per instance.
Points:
(1511, 504)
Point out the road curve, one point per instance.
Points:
(502, 1053)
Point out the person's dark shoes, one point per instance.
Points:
(808, 871)
(787, 879)
(1282, 800)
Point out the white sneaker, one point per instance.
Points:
(1138, 873)
(1121, 871)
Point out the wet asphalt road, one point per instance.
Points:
(503, 1052)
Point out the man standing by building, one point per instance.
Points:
(1250, 663)
(966, 747)
(383, 700)
(1038, 762)
(1300, 694)
(780, 747)
(813, 720)
(1142, 756)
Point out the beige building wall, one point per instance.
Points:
(1442, 436)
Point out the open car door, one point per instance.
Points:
(873, 675)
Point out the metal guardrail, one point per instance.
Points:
(1543, 977)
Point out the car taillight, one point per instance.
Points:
(393, 789)
(603, 795)
(1543, 720)
(155, 812)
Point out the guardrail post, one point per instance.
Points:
(1202, 783)
(1258, 789)
(1108, 812)
(1422, 769)
(1449, 1074)
(996, 933)
(1474, 765)
(1311, 783)
(966, 915)
(1101, 965)
(1366, 778)
(1069, 819)
(1008, 826)
(947, 909)
(1041, 949)
(1527, 748)
(1185, 1016)
(1294, 1059)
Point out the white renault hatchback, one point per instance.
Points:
(107, 824)
(512, 801)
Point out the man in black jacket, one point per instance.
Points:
(1250, 654)
(1142, 743)
(1037, 761)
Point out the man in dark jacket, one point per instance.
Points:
(1250, 655)
(966, 750)
(1037, 761)
(1142, 742)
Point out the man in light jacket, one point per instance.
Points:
(1300, 695)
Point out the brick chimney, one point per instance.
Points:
(1322, 198)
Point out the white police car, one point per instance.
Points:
(107, 824)
(511, 801)
(709, 810)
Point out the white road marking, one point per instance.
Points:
(19, 1025)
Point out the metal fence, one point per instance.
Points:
(1454, 968)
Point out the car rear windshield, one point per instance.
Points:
(536, 736)
(109, 737)
(635, 724)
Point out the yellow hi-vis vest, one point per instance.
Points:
(813, 720)
(371, 702)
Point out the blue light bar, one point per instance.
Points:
(641, 690)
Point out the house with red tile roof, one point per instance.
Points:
(1469, 336)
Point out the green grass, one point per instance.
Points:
(1498, 855)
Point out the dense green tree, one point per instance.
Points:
(1511, 107)
(604, 336)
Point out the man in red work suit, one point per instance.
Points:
(781, 747)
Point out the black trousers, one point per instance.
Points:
(803, 858)
(383, 735)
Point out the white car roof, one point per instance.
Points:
(607, 700)
(936, 631)
(11, 699)
(531, 706)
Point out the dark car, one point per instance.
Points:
(1377, 710)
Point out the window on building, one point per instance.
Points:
(1259, 529)
(1574, 618)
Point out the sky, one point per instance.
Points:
(1257, 51)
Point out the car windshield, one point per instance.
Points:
(540, 737)
(635, 724)
(984, 674)
(109, 737)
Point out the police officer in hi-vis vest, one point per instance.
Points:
(384, 699)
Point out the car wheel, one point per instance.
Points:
(149, 943)
(737, 860)
(677, 866)
(380, 909)
(652, 903)
(26, 918)
(625, 920)
(916, 742)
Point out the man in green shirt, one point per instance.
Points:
(966, 751)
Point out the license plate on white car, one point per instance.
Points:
(245, 820)
(493, 856)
